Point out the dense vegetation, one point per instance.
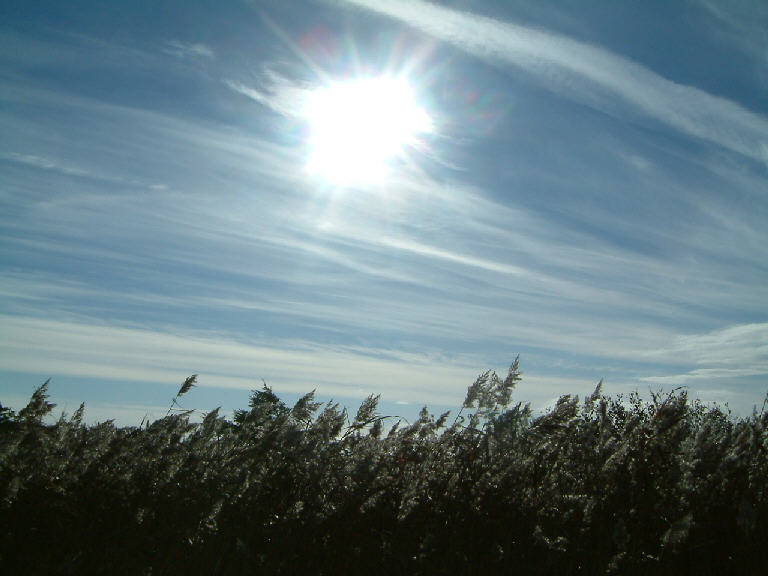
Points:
(602, 486)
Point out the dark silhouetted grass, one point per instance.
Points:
(599, 486)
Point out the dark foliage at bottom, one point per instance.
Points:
(603, 486)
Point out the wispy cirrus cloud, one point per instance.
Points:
(69, 169)
(734, 352)
(44, 163)
(188, 49)
(743, 22)
(589, 74)
(139, 354)
(275, 91)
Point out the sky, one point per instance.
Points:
(581, 184)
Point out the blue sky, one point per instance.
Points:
(592, 196)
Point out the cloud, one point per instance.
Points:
(744, 23)
(275, 91)
(188, 49)
(68, 169)
(588, 74)
(735, 352)
(406, 316)
(515, 273)
(81, 349)
(44, 163)
(457, 258)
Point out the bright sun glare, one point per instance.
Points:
(358, 128)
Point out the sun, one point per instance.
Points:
(359, 128)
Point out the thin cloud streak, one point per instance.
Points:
(73, 348)
(744, 344)
(278, 93)
(735, 352)
(188, 49)
(43, 163)
(440, 254)
(588, 74)
(743, 22)
(66, 169)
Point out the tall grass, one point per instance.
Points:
(599, 486)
